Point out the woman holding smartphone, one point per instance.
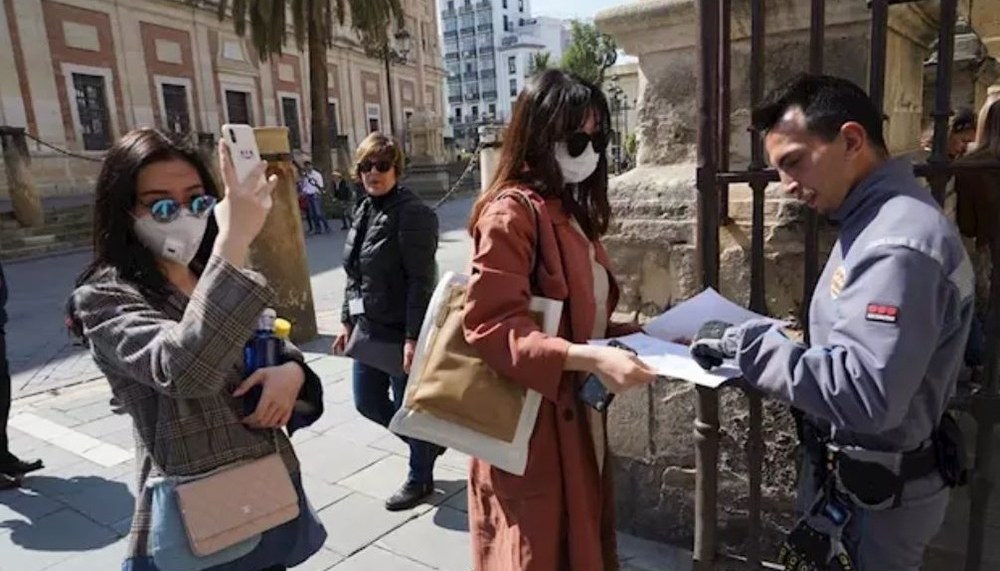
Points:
(560, 514)
(166, 307)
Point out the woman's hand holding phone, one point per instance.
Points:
(240, 215)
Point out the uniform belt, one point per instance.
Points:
(919, 463)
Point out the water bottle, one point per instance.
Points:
(263, 350)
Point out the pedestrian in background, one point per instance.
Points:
(312, 189)
(560, 515)
(166, 307)
(976, 215)
(389, 258)
(345, 200)
(12, 468)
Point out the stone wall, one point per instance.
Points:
(56, 175)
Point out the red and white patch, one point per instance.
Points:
(883, 313)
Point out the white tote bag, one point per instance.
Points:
(454, 399)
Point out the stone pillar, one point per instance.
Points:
(652, 240)
(17, 162)
(490, 141)
(279, 251)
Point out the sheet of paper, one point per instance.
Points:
(672, 360)
(683, 320)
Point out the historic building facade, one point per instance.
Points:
(79, 73)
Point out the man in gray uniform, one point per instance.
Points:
(888, 325)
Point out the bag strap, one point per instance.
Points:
(536, 255)
(163, 473)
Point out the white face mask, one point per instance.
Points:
(177, 240)
(576, 169)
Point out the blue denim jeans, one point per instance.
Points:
(373, 400)
(317, 222)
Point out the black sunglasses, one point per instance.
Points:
(382, 166)
(577, 142)
(167, 209)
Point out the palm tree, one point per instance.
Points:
(540, 61)
(312, 25)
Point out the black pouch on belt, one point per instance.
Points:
(952, 457)
(868, 483)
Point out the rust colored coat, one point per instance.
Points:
(559, 516)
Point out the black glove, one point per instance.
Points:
(806, 549)
(714, 342)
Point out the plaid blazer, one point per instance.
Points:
(174, 365)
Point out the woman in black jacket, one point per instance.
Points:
(391, 274)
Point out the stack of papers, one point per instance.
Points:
(658, 346)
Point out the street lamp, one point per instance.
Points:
(617, 96)
(397, 52)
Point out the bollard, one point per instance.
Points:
(490, 141)
(279, 251)
(23, 192)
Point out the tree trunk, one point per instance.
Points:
(319, 98)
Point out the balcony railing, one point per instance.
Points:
(454, 99)
(488, 95)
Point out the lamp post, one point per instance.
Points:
(617, 97)
(396, 53)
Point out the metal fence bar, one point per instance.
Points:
(876, 63)
(723, 124)
(942, 96)
(706, 429)
(810, 273)
(755, 437)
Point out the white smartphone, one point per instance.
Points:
(242, 147)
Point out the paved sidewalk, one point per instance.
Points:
(74, 514)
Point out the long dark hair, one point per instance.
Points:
(116, 246)
(551, 107)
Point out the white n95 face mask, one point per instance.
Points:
(177, 240)
(576, 169)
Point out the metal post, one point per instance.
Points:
(876, 69)
(707, 416)
(810, 274)
(722, 123)
(942, 96)
(755, 437)
(387, 53)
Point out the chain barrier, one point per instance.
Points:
(63, 151)
(468, 169)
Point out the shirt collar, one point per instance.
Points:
(868, 188)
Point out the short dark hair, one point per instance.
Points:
(963, 120)
(827, 103)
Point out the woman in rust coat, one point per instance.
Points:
(558, 516)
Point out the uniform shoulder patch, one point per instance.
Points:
(882, 313)
(837, 281)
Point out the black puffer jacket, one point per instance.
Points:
(389, 261)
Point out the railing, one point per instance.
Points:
(714, 51)
(490, 95)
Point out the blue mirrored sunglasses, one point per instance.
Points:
(167, 209)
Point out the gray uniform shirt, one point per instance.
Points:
(888, 325)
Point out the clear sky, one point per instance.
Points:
(572, 8)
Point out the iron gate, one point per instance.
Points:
(713, 179)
